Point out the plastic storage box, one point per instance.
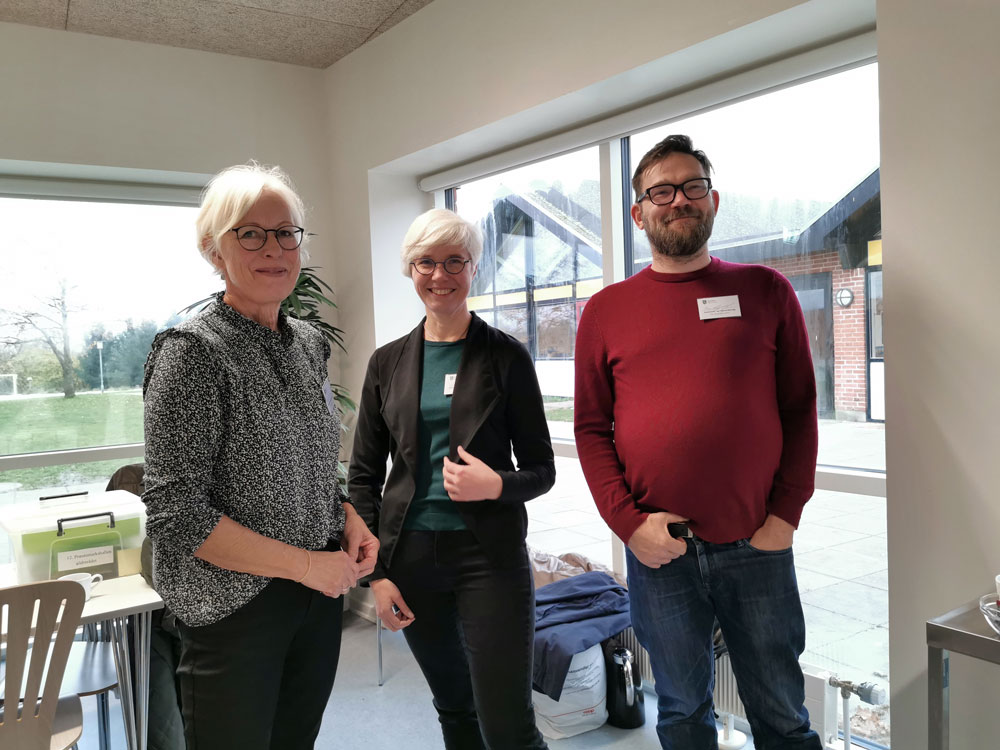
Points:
(96, 533)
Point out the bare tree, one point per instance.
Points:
(50, 326)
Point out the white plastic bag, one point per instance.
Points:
(582, 705)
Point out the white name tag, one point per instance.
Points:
(710, 308)
(449, 383)
(328, 396)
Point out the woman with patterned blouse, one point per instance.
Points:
(254, 543)
(450, 402)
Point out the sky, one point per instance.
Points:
(119, 261)
(814, 142)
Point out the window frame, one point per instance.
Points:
(64, 182)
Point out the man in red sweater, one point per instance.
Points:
(695, 412)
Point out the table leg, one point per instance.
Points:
(103, 722)
(142, 633)
(119, 639)
(938, 698)
(378, 642)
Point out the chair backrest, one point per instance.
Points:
(30, 689)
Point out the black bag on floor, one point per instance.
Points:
(626, 708)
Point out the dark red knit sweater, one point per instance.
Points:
(712, 419)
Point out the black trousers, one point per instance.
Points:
(260, 678)
(472, 635)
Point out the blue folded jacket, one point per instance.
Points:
(571, 616)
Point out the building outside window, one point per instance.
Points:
(542, 259)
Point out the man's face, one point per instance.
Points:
(682, 228)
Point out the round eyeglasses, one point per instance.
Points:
(426, 266)
(252, 237)
(664, 195)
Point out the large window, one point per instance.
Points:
(542, 259)
(84, 289)
(798, 173)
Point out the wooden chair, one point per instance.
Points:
(33, 716)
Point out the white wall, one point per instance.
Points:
(462, 78)
(80, 99)
(940, 116)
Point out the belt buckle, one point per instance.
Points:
(680, 530)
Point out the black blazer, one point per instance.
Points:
(496, 406)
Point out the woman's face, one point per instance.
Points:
(443, 293)
(257, 279)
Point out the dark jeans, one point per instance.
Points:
(755, 598)
(260, 678)
(472, 635)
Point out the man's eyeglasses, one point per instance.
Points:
(664, 195)
(426, 266)
(253, 237)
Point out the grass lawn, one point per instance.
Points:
(559, 415)
(31, 425)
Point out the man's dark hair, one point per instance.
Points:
(672, 144)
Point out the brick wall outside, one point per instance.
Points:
(849, 345)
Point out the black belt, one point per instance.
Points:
(680, 530)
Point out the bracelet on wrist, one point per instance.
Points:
(309, 564)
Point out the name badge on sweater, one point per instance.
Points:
(710, 308)
(449, 383)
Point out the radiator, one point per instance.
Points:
(821, 697)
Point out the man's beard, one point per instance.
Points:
(685, 240)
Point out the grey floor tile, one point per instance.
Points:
(868, 522)
(559, 540)
(860, 657)
(400, 714)
(846, 565)
(810, 580)
(872, 546)
(597, 529)
(825, 536)
(824, 627)
(855, 600)
(567, 519)
(814, 512)
(879, 580)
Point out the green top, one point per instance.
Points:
(432, 509)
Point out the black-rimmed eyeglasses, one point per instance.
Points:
(252, 237)
(664, 195)
(426, 266)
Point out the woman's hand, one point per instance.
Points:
(389, 605)
(473, 481)
(333, 573)
(358, 542)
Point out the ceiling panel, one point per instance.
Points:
(314, 33)
(50, 13)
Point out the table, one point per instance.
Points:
(964, 631)
(117, 602)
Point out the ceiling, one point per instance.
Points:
(313, 33)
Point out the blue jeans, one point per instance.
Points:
(755, 598)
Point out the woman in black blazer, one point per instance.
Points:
(448, 403)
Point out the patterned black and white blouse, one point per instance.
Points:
(237, 423)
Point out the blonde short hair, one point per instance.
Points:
(231, 194)
(437, 227)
